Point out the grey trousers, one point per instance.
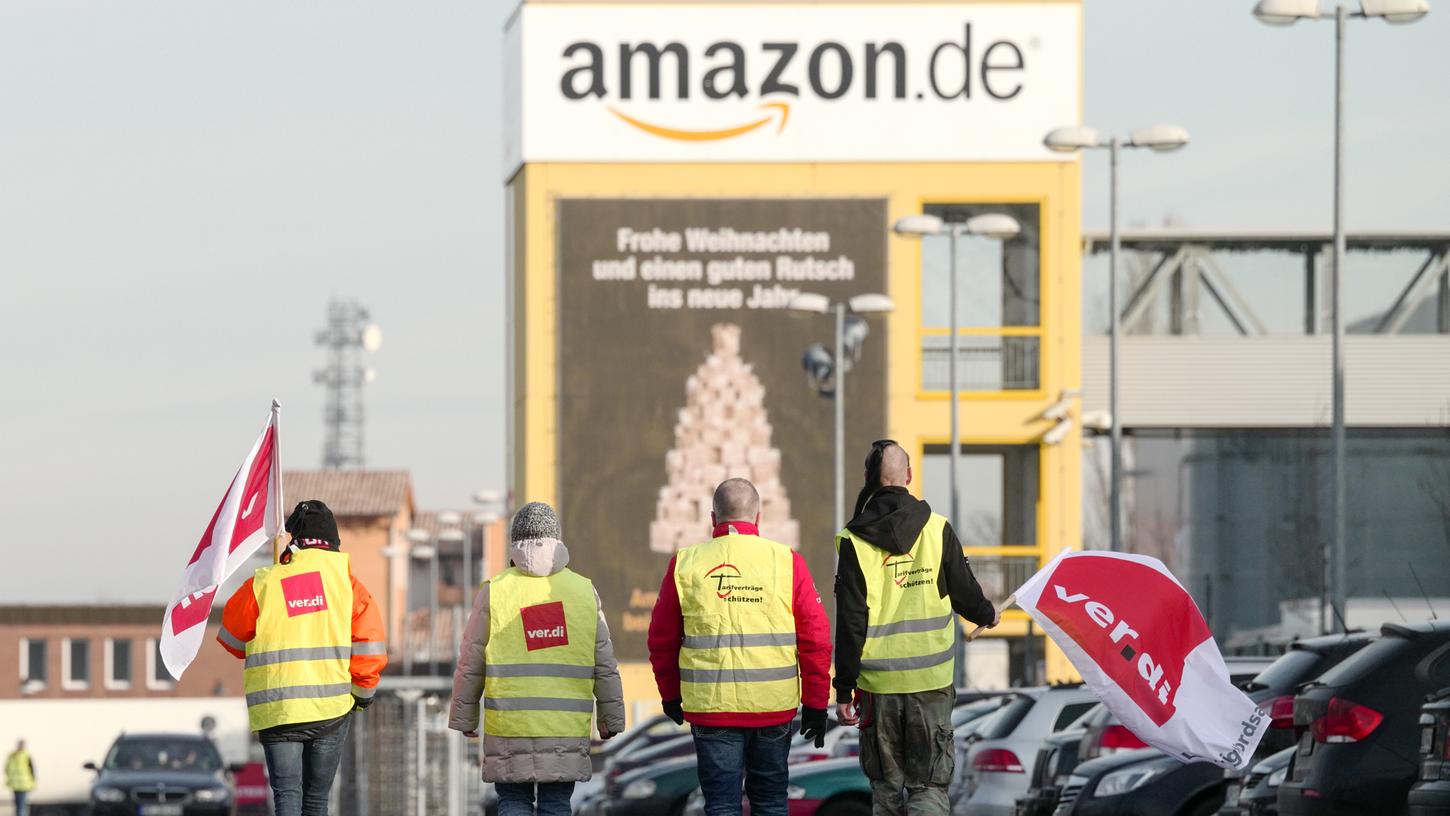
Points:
(907, 752)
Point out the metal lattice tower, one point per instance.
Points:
(348, 335)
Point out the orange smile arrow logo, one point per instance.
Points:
(711, 135)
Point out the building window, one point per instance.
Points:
(999, 304)
(75, 658)
(32, 661)
(118, 663)
(157, 678)
(998, 489)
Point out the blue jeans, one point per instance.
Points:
(22, 803)
(301, 772)
(756, 754)
(517, 798)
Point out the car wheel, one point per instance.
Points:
(846, 807)
(678, 808)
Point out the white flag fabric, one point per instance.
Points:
(250, 514)
(1135, 635)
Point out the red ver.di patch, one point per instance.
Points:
(303, 594)
(544, 626)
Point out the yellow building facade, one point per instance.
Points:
(1021, 370)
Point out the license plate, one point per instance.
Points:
(161, 810)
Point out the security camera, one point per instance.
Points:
(854, 337)
(1058, 410)
(1058, 433)
(820, 368)
(1097, 421)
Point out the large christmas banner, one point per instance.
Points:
(680, 367)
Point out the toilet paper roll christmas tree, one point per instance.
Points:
(722, 433)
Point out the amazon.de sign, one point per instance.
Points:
(784, 82)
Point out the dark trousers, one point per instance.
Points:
(521, 798)
(301, 772)
(908, 753)
(757, 756)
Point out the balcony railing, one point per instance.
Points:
(991, 363)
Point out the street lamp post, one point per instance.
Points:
(1284, 13)
(862, 305)
(1159, 138)
(989, 225)
(425, 546)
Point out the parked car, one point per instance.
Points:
(1099, 733)
(161, 775)
(659, 789)
(1257, 794)
(654, 730)
(1358, 725)
(995, 773)
(1430, 796)
(834, 787)
(1118, 785)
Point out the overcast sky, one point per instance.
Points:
(184, 184)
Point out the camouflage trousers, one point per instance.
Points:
(907, 751)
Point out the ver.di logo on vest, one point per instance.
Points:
(905, 572)
(303, 594)
(544, 626)
(732, 587)
(767, 75)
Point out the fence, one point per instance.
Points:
(401, 759)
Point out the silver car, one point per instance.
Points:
(993, 762)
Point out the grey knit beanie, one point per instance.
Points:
(535, 520)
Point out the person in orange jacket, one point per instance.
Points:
(314, 647)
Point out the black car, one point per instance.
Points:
(649, 755)
(653, 731)
(1258, 793)
(1119, 784)
(1431, 795)
(161, 775)
(1358, 725)
(1050, 771)
(660, 789)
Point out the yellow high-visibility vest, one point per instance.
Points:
(297, 664)
(538, 678)
(909, 624)
(739, 653)
(18, 776)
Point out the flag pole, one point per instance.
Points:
(1011, 599)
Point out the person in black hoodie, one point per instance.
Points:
(901, 580)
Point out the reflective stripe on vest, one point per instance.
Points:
(17, 772)
(909, 624)
(739, 651)
(296, 669)
(538, 678)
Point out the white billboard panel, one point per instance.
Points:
(785, 82)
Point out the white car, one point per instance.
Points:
(995, 764)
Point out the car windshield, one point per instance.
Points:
(1000, 723)
(971, 711)
(1296, 666)
(1373, 657)
(163, 754)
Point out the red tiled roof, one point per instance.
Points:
(351, 492)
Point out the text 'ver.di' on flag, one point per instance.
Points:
(1137, 638)
(249, 515)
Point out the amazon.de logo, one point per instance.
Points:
(758, 82)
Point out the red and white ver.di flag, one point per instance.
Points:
(249, 515)
(1138, 640)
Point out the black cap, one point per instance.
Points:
(312, 519)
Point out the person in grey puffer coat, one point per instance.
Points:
(516, 763)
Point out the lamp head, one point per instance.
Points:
(809, 302)
(1286, 12)
(993, 225)
(1160, 138)
(1395, 11)
(918, 225)
(1072, 139)
(872, 304)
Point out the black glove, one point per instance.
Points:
(813, 725)
(360, 703)
(674, 711)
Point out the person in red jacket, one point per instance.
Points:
(738, 639)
